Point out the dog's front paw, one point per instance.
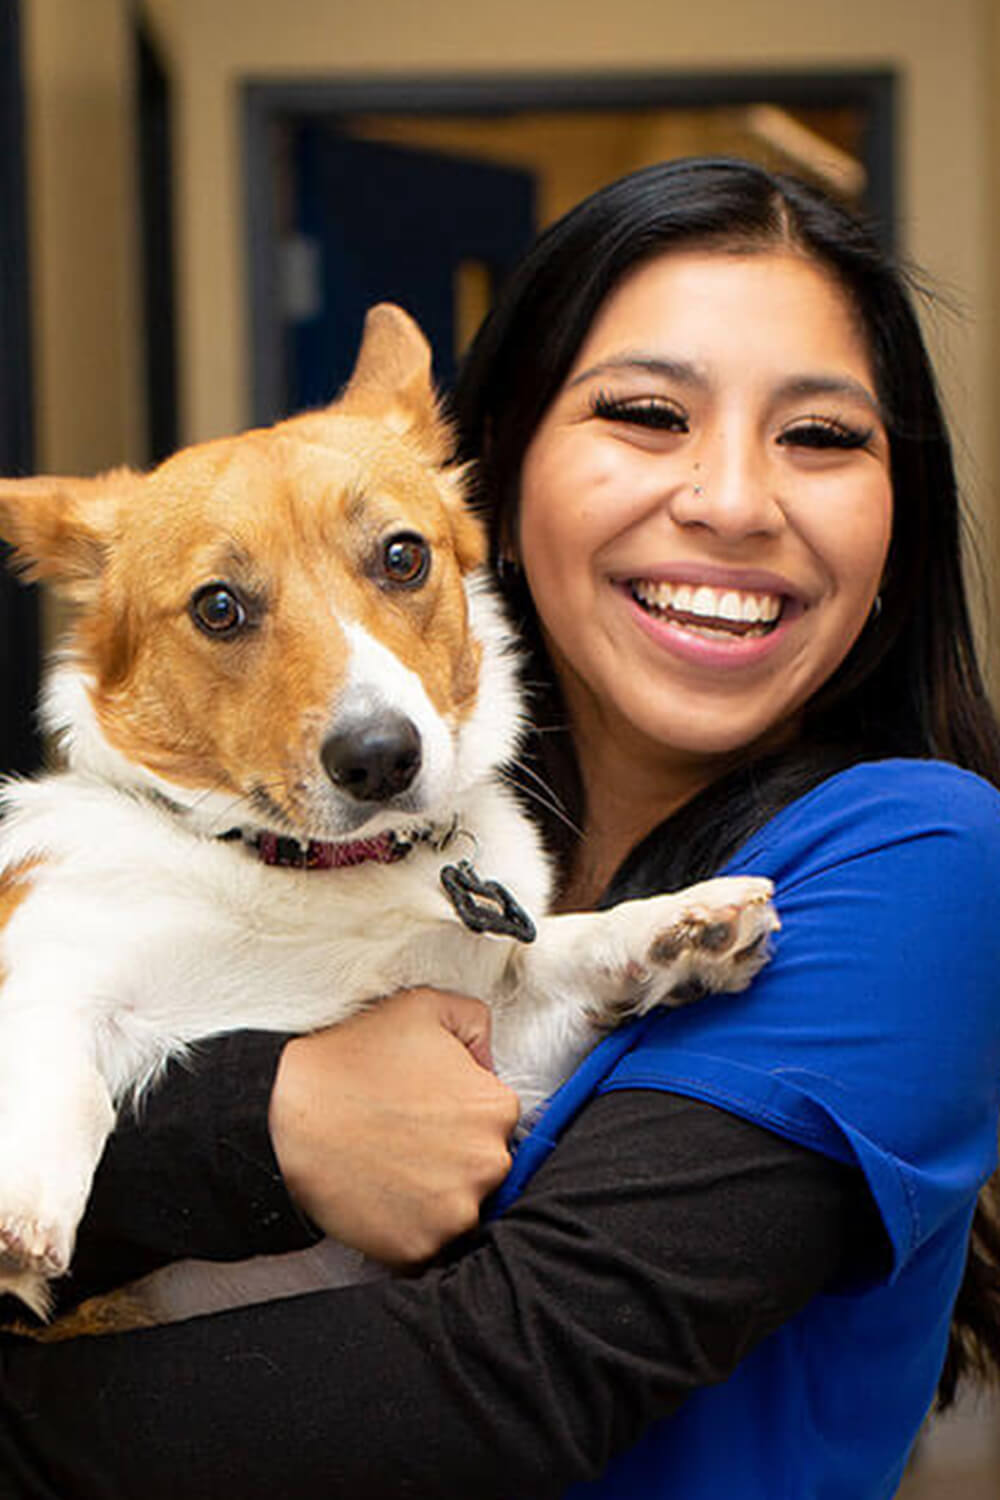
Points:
(32, 1251)
(708, 939)
(719, 942)
(46, 1169)
(27, 1243)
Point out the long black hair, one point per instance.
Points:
(910, 685)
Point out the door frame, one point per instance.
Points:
(269, 103)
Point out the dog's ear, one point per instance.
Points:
(467, 530)
(60, 529)
(392, 382)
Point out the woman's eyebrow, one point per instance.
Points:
(680, 370)
(799, 386)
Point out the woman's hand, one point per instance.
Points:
(391, 1128)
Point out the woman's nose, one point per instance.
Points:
(732, 491)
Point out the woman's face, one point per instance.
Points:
(706, 506)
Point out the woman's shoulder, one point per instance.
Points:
(909, 781)
(902, 787)
(878, 805)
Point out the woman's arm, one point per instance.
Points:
(192, 1172)
(658, 1244)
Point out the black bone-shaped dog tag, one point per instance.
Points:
(485, 905)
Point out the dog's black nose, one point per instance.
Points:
(374, 759)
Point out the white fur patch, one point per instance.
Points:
(378, 682)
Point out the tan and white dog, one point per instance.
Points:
(283, 705)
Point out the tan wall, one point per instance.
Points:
(77, 60)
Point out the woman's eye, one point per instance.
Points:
(406, 559)
(217, 609)
(640, 411)
(823, 432)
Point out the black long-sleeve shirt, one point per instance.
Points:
(656, 1246)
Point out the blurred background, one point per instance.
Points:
(198, 199)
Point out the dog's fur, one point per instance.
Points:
(131, 927)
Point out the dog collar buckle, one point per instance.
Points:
(485, 905)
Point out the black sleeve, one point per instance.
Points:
(659, 1243)
(192, 1172)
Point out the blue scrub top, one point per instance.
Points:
(873, 1036)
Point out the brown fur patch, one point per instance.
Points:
(115, 1312)
(15, 885)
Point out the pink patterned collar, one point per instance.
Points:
(380, 849)
(319, 854)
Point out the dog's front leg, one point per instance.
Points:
(55, 1116)
(587, 972)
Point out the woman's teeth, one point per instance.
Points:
(712, 610)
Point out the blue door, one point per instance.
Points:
(387, 223)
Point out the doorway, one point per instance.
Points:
(420, 227)
(425, 191)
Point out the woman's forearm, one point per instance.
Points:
(635, 1269)
(193, 1173)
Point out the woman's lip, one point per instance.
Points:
(710, 651)
(742, 580)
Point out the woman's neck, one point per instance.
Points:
(631, 784)
(625, 800)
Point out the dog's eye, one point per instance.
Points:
(217, 610)
(406, 559)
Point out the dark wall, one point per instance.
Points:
(19, 606)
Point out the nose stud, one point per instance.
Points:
(697, 489)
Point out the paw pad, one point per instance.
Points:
(709, 935)
(689, 990)
(717, 936)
